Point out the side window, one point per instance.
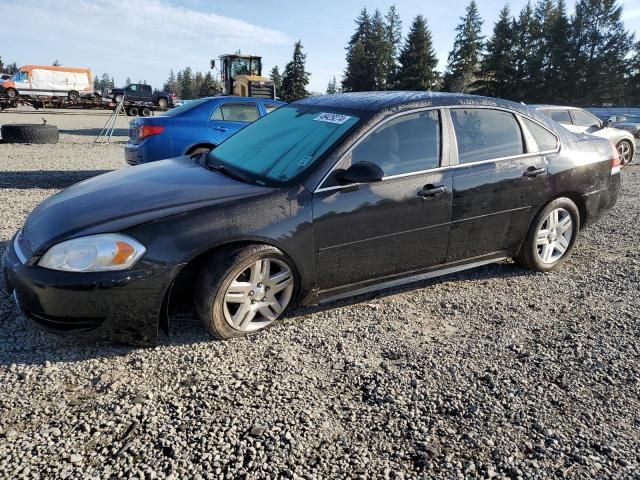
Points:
(236, 112)
(584, 119)
(560, 116)
(483, 134)
(269, 107)
(146, 88)
(546, 140)
(406, 144)
(133, 88)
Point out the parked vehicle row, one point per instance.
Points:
(324, 198)
(627, 121)
(47, 80)
(580, 121)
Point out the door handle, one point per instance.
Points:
(534, 172)
(431, 191)
(220, 129)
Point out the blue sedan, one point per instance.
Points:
(194, 127)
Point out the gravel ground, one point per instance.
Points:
(491, 373)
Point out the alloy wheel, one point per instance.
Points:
(258, 295)
(554, 236)
(624, 151)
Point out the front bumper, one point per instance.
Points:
(123, 306)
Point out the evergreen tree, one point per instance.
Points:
(295, 78)
(208, 86)
(198, 82)
(11, 68)
(558, 71)
(178, 88)
(187, 86)
(379, 51)
(523, 50)
(358, 76)
(55, 63)
(418, 60)
(276, 78)
(633, 83)
(496, 74)
(170, 84)
(600, 45)
(464, 58)
(96, 81)
(394, 40)
(332, 87)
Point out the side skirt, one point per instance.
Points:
(353, 290)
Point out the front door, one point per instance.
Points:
(369, 232)
(498, 185)
(228, 118)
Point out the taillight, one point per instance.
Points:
(615, 160)
(149, 130)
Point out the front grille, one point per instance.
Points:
(22, 248)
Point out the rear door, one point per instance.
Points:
(365, 232)
(229, 117)
(133, 93)
(500, 181)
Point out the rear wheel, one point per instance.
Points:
(162, 103)
(133, 111)
(12, 93)
(73, 96)
(118, 98)
(146, 112)
(244, 290)
(551, 236)
(625, 151)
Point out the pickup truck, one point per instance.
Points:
(138, 92)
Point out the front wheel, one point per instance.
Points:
(551, 236)
(162, 103)
(118, 98)
(625, 151)
(12, 93)
(244, 289)
(73, 96)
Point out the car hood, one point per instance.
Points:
(124, 198)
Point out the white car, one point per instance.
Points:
(580, 121)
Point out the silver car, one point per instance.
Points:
(626, 121)
(580, 121)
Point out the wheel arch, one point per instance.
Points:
(185, 278)
(200, 145)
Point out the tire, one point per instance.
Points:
(133, 112)
(540, 257)
(223, 317)
(198, 150)
(26, 133)
(12, 93)
(162, 103)
(625, 150)
(118, 98)
(73, 96)
(146, 112)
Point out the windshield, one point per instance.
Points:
(185, 107)
(282, 145)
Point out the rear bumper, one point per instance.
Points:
(122, 306)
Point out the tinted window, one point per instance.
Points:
(270, 107)
(483, 134)
(560, 116)
(584, 119)
(406, 144)
(133, 88)
(544, 138)
(236, 112)
(185, 107)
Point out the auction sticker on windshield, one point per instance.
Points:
(332, 118)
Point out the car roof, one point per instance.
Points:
(554, 107)
(229, 98)
(376, 101)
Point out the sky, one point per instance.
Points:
(145, 39)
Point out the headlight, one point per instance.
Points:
(94, 253)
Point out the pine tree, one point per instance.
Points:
(418, 60)
(170, 84)
(464, 58)
(523, 51)
(198, 81)
(633, 83)
(496, 75)
(187, 87)
(208, 86)
(276, 78)
(559, 77)
(55, 63)
(295, 78)
(394, 40)
(127, 81)
(178, 88)
(380, 51)
(600, 44)
(96, 81)
(358, 76)
(332, 87)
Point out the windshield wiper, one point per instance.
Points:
(229, 172)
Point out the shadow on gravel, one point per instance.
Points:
(94, 132)
(46, 179)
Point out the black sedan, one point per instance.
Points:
(323, 199)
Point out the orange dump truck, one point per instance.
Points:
(47, 81)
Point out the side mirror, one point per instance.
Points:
(361, 172)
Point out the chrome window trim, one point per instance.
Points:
(445, 111)
(320, 189)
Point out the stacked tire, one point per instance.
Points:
(30, 133)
